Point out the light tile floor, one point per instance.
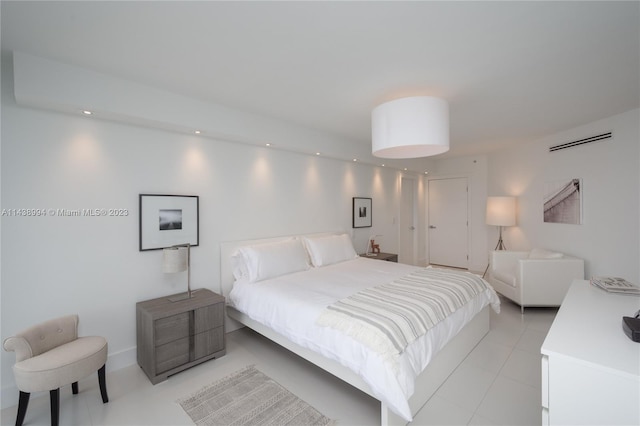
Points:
(497, 384)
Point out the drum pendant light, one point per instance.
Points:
(411, 127)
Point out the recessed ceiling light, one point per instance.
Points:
(267, 144)
(87, 112)
(405, 169)
(355, 159)
(317, 153)
(383, 165)
(426, 173)
(197, 132)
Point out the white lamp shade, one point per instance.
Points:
(501, 211)
(410, 128)
(174, 259)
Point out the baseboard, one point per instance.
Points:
(122, 359)
(115, 361)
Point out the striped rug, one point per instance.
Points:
(249, 397)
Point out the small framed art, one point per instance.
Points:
(361, 212)
(168, 220)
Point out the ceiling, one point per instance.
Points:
(512, 72)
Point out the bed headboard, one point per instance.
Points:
(228, 248)
(226, 270)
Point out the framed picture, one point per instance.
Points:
(361, 212)
(563, 202)
(167, 220)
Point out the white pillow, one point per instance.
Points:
(263, 261)
(330, 249)
(239, 266)
(544, 254)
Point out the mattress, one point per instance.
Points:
(291, 304)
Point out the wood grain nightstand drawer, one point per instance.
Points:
(172, 355)
(171, 328)
(208, 317)
(208, 342)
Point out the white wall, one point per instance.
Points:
(608, 239)
(53, 266)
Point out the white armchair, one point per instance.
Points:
(535, 278)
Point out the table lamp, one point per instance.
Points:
(177, 259)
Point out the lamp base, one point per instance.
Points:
(499, 246)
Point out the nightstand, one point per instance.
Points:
(389, 257)
(174, 336)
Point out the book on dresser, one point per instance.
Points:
(615, 285)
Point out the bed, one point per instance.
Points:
(293, 290)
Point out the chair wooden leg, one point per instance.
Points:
(74, 388)
(103, 384)
(54, 397)
(22, 407)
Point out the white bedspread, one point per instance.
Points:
(290, 305)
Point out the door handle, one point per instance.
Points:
(432, 227)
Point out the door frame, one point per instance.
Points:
(469, 183)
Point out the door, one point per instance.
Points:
(407, 250)
(448, 223)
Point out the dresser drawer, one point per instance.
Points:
(171, 328)
(172, 354)
(208, 342)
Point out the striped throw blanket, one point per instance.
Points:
(389, 317)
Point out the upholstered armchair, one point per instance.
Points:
(51, 355)
(535, 278)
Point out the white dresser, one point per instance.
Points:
(590, 368)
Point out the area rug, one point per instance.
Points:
(249, 397)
